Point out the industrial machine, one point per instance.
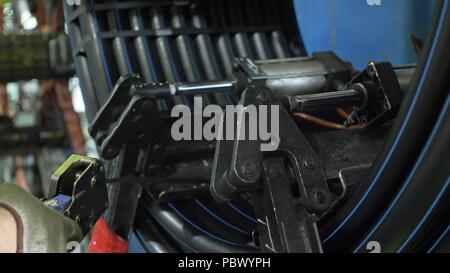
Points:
(360, 158)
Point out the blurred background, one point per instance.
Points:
(42, 115)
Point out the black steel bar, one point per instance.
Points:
(142, 48)
(259, 38)
(206, 52)
(328, 100)
(277, 38)
(173, 89)
(184, 47)
(240, 39)
(118, 44)
(164, 52)
(224, 44)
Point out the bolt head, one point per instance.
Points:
(248, 167)
(310, 163)
(110, 152)
(320, 197)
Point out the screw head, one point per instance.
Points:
(249, 169)
(320, 199)
(310, 163)
(110, 152)
(319, 196)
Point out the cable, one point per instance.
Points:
(325, 123)
(342, 113)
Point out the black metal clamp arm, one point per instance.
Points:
(131, 115)
(288, 185)
(127, 116)
(284, 226)
(78, 189)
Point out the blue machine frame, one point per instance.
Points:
(358, 32)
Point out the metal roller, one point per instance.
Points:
(118, 45)
(164, 51)
(142, 48)
(206, 52)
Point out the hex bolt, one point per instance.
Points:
(249, 168)
(110, 152)
(310, 163)
(319, 196)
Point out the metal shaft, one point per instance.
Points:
(186, 89)
(328, 100)
(302, 103)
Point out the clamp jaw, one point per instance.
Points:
(288, 185)
(382, 95)
(78, 190)
(127, 116)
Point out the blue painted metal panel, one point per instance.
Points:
(359, 32)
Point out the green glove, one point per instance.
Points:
(40, 229)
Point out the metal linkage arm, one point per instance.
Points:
(78, 189)
(131, 113)
(284, 226)
(126, 117)
(288, 185)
